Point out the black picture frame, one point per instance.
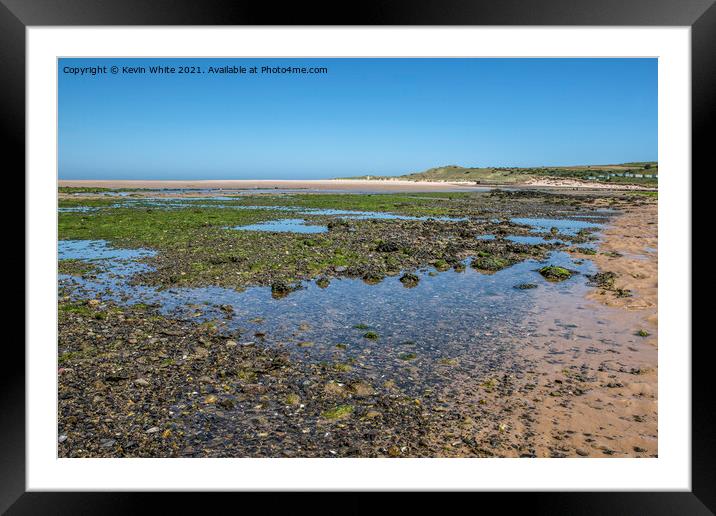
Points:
(17, 15)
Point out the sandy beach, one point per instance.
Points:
(574, 183)
(620, 418)
(343, 185)
(282, 184)
(631, 247)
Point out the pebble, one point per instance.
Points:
(394, 451)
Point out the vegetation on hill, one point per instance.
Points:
(624, 173)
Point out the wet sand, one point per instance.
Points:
(616, 411)
(634, 235)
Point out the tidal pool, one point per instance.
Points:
(526, 239)
(79, 209)
(534, 240)
(303, 226)
(565, 226)
(284, 226)
(184, 202)
(384, 327)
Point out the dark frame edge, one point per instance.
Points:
(702, 499)
(12, 380)
(703, 114)
(394, 12)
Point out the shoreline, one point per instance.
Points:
(623, 394)
(634, 238)
(386, 185)
(275, 184)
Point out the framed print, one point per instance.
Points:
(424, 249)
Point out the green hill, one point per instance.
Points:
(458, 173)
(618, 173)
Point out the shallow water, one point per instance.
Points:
(284, 226)
(534, 240)
(91, 250)
(474, 317)
(184, 202)
(303, 226)
(526, 239)
(565, 226)
(381, 215)
(81, 209)
(451, 314)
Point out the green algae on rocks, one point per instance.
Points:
(339, 412)
(196, 245)
(76, 267)
(555, 273)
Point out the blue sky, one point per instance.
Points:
(365, 116)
